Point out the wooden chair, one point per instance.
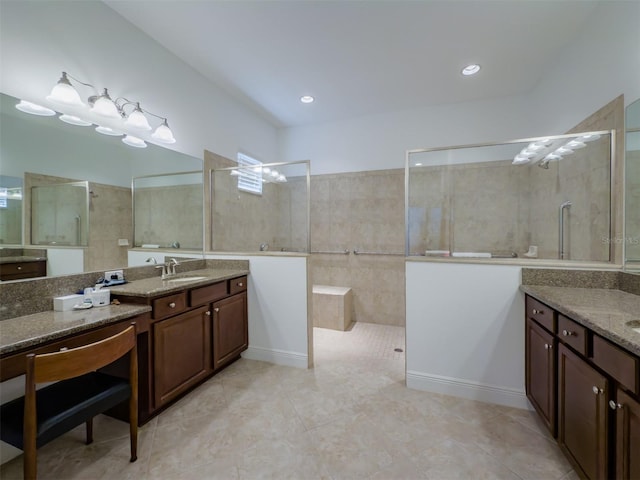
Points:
(80, 394)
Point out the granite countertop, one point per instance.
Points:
(605, 311)
(22, 332)
(21, 259)
(152, 287)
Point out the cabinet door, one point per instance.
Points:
(627, 436)
(540, 364)
(582, 414)
(230, 329)
(181, 353)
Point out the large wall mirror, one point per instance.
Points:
(632, 187)
(43, 164)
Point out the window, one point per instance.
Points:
(249, 179)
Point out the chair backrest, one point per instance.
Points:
(50, 367)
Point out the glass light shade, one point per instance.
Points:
(274, 173)
(266, 170)
(65, 94)
(470, 69)
(282, 178)
(34, 109)
(552, 157)
(108, 131)
(163, 134)
(234, 173)
(104, 106)
(563, 151)
(588, 137)
(521, 159)
(73, 120)
(134, 141)
(138, 121)
(575, 144)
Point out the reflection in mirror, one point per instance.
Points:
(39, 151)
(547, 198)
(10, 210)
(168, 211)
(60, 214)
(262, 208)
(632, 176)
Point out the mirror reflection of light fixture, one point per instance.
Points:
(134, 141)
(34, 109)
(64, 93)
(73, 120)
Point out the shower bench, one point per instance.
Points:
(332, 307)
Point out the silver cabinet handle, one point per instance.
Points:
(568, 333)
(614, 405)
(535, 312)
(19, 267)
(216, 309)
(596, 390)
(172, 305)
(240, 284)
(207, 313)
(548, 346)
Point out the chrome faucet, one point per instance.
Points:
(171, 266)
(264, 247)
(152, 260)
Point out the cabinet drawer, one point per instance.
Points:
(618, 363)
(237, 285)
(169, 305)
(17, 271)
(210, 293)
(573, 334)
(541, 313)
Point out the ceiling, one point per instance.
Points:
(360, 57)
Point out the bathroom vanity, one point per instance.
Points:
(189, 326)
(19, 268)
(583, 375)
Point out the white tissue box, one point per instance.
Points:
(101, 297)
(66, 303)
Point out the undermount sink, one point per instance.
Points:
(185, 279)
(635, 325)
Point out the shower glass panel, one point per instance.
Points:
(168, 211)
(10, 210)
(277, 219)
(526, 198)
(632, 176)
(60, 214)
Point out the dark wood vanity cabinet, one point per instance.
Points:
(590, 386)
(583, 395)
(181, 353)
(193, 334)
(230, 329)
(22, 270)
(540, 375)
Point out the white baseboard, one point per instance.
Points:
(458, 387)
(278, 357)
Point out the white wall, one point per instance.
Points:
(65, 261)
(38, 40)
(602, 63)
(278, 322)
(465, 331)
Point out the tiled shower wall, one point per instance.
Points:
(633, 207)
(362, 211)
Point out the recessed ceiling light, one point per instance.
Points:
(307, 99)
(471, 69)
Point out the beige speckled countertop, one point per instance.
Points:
(23, 332)
(604, 311)
(151, 287)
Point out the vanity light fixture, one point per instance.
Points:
(34, 109)
(471, 69)
(64, 93)
(307, 99)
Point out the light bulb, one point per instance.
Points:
(163, 134)
(104, 106)
(137, 120)
(64, 93)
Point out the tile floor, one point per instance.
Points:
(350, 417)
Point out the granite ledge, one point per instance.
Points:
(23, 332)
(604, 311)
(155, 286)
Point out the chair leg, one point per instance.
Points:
(133, 430)
(30, 462)
(89, 424)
